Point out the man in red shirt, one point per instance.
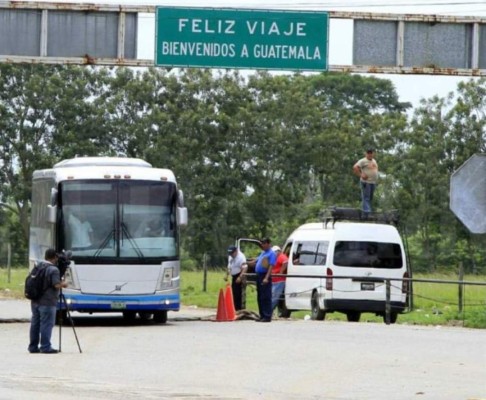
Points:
(278, 282)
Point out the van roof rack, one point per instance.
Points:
(334, 214)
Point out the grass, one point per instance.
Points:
(434, 303)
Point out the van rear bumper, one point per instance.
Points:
(362, 305)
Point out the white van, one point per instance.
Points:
(367, 252)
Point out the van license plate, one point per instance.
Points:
(367, 286)
(118, 305)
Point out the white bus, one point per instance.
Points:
(120, 218)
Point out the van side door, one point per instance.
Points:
(306, 258)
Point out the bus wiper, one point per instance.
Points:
(104, 243)
(126, 233)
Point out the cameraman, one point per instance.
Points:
(44, 309)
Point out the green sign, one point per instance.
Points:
(238, 38)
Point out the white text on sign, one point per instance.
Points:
(227, 27)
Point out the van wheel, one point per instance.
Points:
(283, 311)
(160, 317)
(316, 313)
(353, 316)
(393, 317)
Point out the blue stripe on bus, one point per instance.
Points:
(120, 303)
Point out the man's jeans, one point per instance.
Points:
(277, 290)
(43, 320)
(367, 190)
(264, 297)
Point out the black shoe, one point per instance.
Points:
(35, 351)
(263, 320)
(50, 351)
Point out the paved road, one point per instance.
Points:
(188, 359)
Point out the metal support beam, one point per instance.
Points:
(121, 36)
(400, 42)
(43, 35)
(86, 60)
(116, 45)
(369, 69)
(475, 46)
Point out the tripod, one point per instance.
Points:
(68, 314)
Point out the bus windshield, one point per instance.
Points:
(108, 221)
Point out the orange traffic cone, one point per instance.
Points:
(230, 305)
(221, 314)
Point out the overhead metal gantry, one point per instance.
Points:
(102, 34)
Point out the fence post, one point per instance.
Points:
(9, 261)
(387, 303)
(460, 300)
(205, 273)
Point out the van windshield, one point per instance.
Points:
(368, 254)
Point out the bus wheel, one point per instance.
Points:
(145, 316)
(393, 317)
(283, 311)
(353, 316)
(316, 312)
(129, 316)
(160, 317)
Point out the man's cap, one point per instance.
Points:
(370, 150)
(231, 249)
(276, 248)
(265, 240)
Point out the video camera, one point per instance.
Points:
(63, 261)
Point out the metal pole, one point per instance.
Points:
(205, 273)
(243, 293)
(9, 262)
(387, 303)
(60, 320)
(461, 287)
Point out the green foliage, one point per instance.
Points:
(256, 156)
(475, 318)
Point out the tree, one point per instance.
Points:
(443, 134)
(46, 114)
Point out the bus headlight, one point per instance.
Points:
(68, 277)
(71, 281)
(168, 274)
(167, 277)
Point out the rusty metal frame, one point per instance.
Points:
(122, 9)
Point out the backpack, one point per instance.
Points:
(35, 282)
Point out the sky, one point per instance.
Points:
(410, 88)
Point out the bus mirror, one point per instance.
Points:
(180, 198)
(182, 216)
(51, 214)
(53, 197)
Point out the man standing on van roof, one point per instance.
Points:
(264, 264)
(367, 170)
